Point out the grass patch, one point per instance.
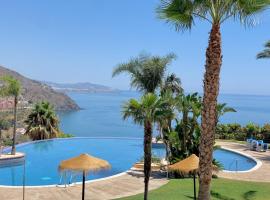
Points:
(222, 189)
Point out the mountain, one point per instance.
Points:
(79, 87)
(35, 91)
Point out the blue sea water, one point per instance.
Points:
(101, 113)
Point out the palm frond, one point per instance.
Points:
(177, 13)
(10, 86)
(182, 13)
(146, 71)
(266, 52)
(42, 123)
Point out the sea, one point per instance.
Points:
(101, 113)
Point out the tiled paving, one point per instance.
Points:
(116, 187)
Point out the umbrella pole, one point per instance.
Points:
(83, 186)
(194, 183)
(24, 179)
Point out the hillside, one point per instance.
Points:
(34, 91)
(79, 87)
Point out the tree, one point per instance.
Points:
(12, 87)
(172, 84)
(146, 112)
(222, 109)
(182, 14)
(2, 124)
(165, 123)
(266, 52)
(147, 72)
(42, 123)
(190, 108)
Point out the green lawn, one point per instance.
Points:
(222, 189)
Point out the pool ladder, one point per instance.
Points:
(64, 181)
(236, 165)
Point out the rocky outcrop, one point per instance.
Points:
(35, 91)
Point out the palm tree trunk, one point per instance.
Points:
(209, 114)
(0, 140)
(184, 130)
(13, 150)
(147, 155)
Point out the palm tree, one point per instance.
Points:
(2, 125)
(173, 84)
(266, 52)
(146, 71)
(12, 87)
(146, 112)
(182, 14)
(222, 109)
(190, 108)
(165, 123)
(42, 123)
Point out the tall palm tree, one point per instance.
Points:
(266, 52)
(1, 127)
(147, 72)
(182, 14)
(12, 87)
(146, 112)
(42, 123)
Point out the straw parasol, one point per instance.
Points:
(84, 163)
(188, 165)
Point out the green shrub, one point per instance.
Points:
(7, 142)
(240, 136)
(252, 130)
(232, 128)
(5, 124)
(65, 135)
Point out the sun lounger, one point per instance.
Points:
(254, 145)
(259, 145)
(249, 143)
(265, 146)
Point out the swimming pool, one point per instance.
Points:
(43, 158)
(232, 161)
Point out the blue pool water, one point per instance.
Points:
(43, 158)
(233, 161)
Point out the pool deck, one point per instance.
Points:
(127, 184)
(258, 175)
(11, 157)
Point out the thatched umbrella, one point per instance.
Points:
(188, 165)
(84, 163)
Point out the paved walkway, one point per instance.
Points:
(125, 185)
(262, 174)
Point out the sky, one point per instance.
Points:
(70, 41)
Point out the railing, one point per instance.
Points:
(67, 179)
(235, 161)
